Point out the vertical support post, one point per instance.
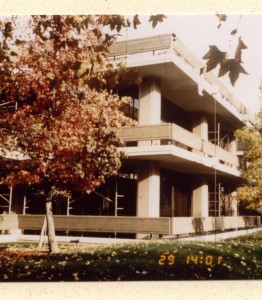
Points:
(10, 200)
(200, 126)
(219, 199)
(116, 200)
(24, 205)
(150, 102)
(148, 193)
(173, 201)
(67, 208)
(233, 147)
(215, 170)
(148, 200)
(200, 197)
(116, 205)
(218, 134)
(234, 203)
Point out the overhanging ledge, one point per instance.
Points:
(180, 160)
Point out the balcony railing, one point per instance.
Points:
(156, 44)
(164, 134)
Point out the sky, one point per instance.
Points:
(198, 31)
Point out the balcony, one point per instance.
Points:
(170, 142)
(168, 59)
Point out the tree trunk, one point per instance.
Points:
(52, 243)
(42, 235)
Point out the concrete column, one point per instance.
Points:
(148, 198)
(149, 102)
(234, 203)
(200, 126)
(200, 197)
(233, 147)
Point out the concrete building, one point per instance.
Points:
(183, 148)
(182, 158)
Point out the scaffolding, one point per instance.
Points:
(6, 200)
(6, 197)
(220, 203)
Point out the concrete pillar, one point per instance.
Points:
(148, 192)
(233, 147)
(148, 198)
(234, 204)
(200, 197)
(149, 102)
(200, 126)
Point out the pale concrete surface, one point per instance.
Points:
(222, 236)
(96, 240)
(65, 239)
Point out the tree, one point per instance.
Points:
(56, 74)
(227, 65)
(251, 192)
(66, 120)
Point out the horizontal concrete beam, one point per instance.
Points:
(161, 225)
(185, 225)
(184, 138)
(89, 223)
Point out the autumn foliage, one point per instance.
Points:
(60, 109)
(227, 65)
(55, 71)
(251, 191)
(64, 117)
(65, 124)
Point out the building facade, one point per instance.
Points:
(182, 159)
(183, 148)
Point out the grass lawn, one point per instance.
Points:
(239, 258)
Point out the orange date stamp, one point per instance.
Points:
(205, 260)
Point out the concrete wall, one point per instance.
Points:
(200, 225)
(169, 226)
